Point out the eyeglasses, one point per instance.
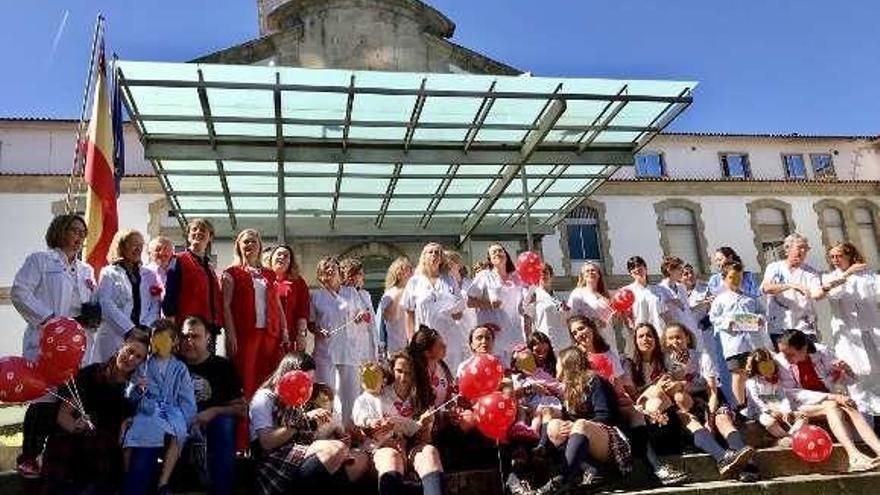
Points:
(78, 231)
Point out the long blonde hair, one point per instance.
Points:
(600, 284)
(394, 276)
(423, 264)
(238, 256)
(450, 257)
(120, 239)
(575, 375)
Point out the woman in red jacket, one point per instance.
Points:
(294, 294)
(255, 324)
(192, 287)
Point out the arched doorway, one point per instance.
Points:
(376, 257)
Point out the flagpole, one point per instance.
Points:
(77, 167)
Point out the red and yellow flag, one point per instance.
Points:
(101, 216)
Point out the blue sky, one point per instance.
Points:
(807, 66)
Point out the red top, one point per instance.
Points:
(296, 301)
(244, 305)
(199, 292)
(809, 378)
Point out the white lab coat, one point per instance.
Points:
(791, 309)
(549, 316)
(822, 360)
(117, 302)
(855, 334)
(508, 316)
(46, 285)
(648, 307)
(433, 306)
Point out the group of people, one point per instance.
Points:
(597, 387)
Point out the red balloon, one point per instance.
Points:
(19, 380)
(482, 374)
(623, 300)
(812, 444)
(495, 413)
(62, 346)
(295, 388)
(530, 268)
(601, 365)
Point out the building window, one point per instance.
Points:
(794, 166)
(735, 165)
(772, 229)
(823, 166)
(868, 235)
(584, 241)
(682, 238)
(650, 165)
(834, 229)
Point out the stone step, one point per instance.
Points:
(802, 484)
(773, 462)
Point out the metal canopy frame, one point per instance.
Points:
(338, 153)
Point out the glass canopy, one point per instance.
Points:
(324, 152)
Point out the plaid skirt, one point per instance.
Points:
(76, 460)
(277, 470)
(620, 453)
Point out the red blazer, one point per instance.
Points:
(296, 301)
(195, 289)
(243, 307)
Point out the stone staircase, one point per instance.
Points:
(782, 474)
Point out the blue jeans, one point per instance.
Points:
(143, 464)
(220, 437)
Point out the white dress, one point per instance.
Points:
(488, 286)
(117, 302)
(855, 334)
(549, 316)
(585, 302)
(434, 304)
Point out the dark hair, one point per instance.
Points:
(166, 325)
(691, 344)
(670, 263)
(599, 344)
(757, 356)
(139, 335)
(729, 254)
(290, 362)
(196, 320)
(635, 262)
(656, 359)
(541, 338)
(57, 228)
(509, 266)
(423, 340)
(731, 266)
(798, 340)
(388, 369)
(292, 267)
(493, 330)
(548, 270)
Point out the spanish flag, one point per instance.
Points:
(101, 192)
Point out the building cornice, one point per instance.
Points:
(719, 187)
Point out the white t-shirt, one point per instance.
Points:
(261, 412)
(791, 309)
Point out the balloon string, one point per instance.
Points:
(330, 333)
(439, 408)
(500, 465)
(71, 385)
(66, 401)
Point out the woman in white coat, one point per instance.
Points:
(432, 298)
(50, 284)
(130, 294)
(498, 295)
(855, 323)
(590, 299)
(649, 305)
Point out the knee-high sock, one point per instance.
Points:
(545, 439)
(577, 451)
(391, 483)
(642, 448)
(735, 440)
(432, 483)
(706, 442)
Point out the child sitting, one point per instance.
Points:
(538, 389)
(379, 411)
(166, 405)
(765, 396)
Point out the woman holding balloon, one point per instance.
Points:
(287, 457)
(498, 294)
(50, 283)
